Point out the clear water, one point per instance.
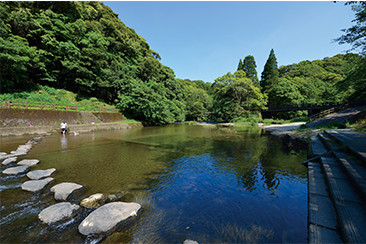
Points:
(203, 183)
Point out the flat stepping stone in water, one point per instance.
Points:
(36, 185)
(58, 212)
(5, 156)
(15, 170)
(107, 217)
(94, 201)
(28, 162)
(63, 190)
(39, 174)
(9, 160)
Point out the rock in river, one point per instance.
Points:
(107, 217)
(15, 170)
(39, 174)
(58, 212)
(63, 190)
(9, 160)
(29, 162)
(36, 185)
(94, 201)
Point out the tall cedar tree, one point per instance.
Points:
(240, 65)
(270, 75)
(249, 66)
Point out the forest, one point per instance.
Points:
(85, 48)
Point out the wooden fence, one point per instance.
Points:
(55, 107)
(324, 113)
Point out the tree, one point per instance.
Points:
(196, 99)
(234, 94)
(249, 67)
(356, 35)
(84, 47)
(240, 65)
(270, 74)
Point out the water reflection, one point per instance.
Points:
(63, 142)
(203, 183)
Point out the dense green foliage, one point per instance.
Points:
(356, 36)
(234, 95)
(197, 99)
(84, 47)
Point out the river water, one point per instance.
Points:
(203, 183)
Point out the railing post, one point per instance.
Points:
(41, 106)
(66, 107)
(8, 104)
(76, 107)
(26, 104)
(99, 109)
(54, 107)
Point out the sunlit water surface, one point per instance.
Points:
(202, 183)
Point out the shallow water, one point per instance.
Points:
(194, 182)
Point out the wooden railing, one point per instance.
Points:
(56, 107)
(324, 113)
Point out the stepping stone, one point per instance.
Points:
(190, 242)
(17, 153)
(39, 174)
(107, 217)
(36, 185)
(9, 160)
(28, 162)
(5, 156)
(15, 170)
(63, 190)
(94, 201)
(58, 212)
(24, 147)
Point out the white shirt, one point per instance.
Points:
(63, 125)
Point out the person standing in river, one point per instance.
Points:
(63, 127)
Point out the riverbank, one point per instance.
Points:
(39, 130)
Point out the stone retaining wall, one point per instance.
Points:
(26, 117)
(18, 131)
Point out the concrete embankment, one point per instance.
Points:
(16, 122)
(18, 131)
(336, 185)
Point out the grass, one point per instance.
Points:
(359, 125)
(61, 97)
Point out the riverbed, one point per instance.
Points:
(203, 183)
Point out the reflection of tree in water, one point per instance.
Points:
(249, 155)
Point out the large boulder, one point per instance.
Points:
(94, 201)
(9, 160)
(39, 174)
(28, 162)
(63, 190)
(58, 212)
(15, 170)
(107, 217)
(36, 185)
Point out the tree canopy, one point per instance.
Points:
(84, 47)
(235, 94)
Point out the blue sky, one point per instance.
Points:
(205, 40)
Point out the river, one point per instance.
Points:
(203, 183)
